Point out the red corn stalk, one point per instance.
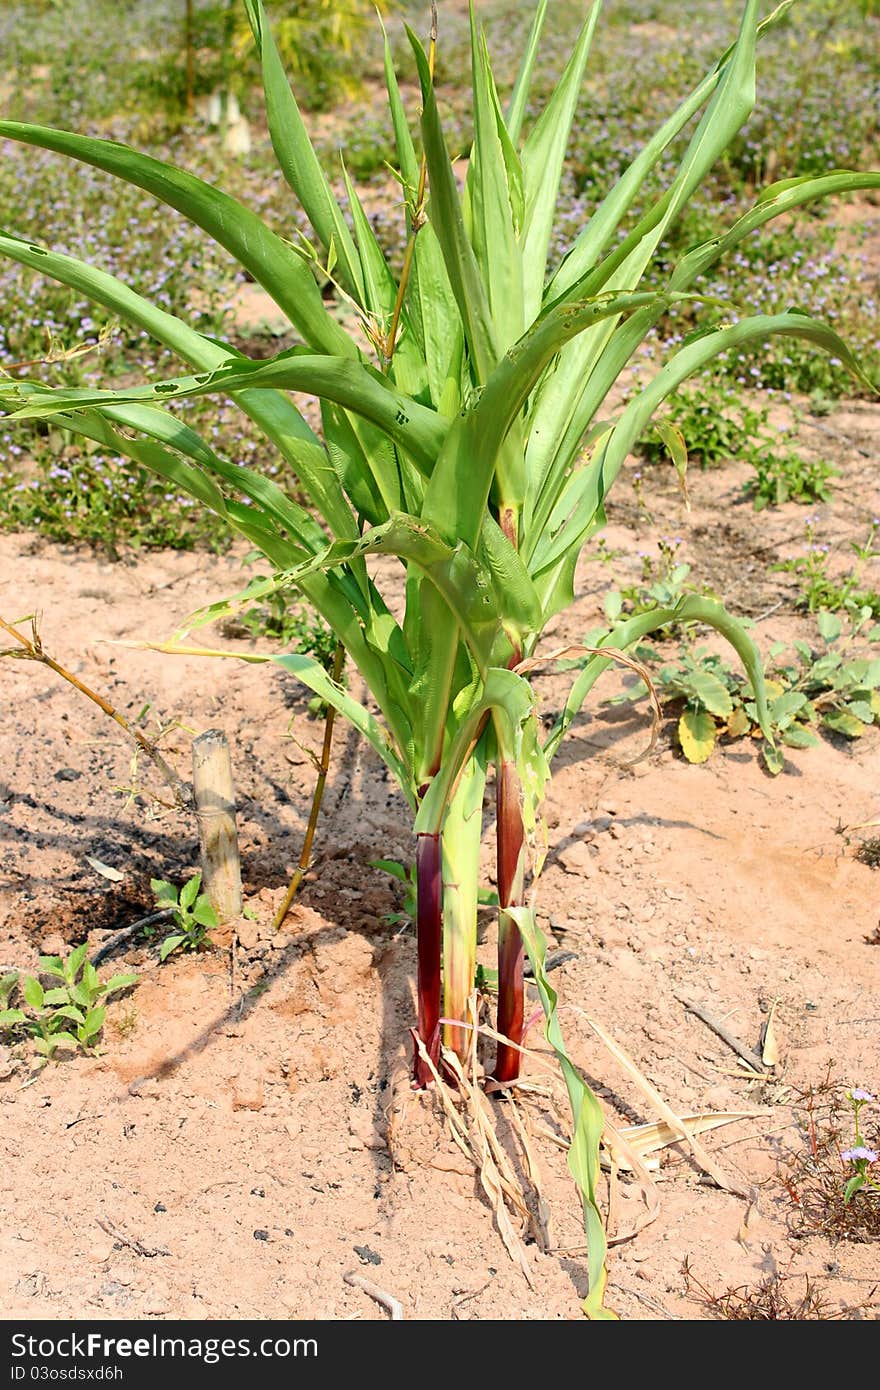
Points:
(510, 840)
(429, 924)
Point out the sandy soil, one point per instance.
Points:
(247, 1135)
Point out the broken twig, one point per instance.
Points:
(385, 1300)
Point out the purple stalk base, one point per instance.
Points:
(429, 921)
(510, 836)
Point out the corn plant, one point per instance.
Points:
(467, 432)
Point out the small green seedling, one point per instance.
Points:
(70, 1014)
(193, 914)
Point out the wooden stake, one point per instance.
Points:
(214, 796)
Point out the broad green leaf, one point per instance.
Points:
(829, 625)
(94, 1023)
(9, 1017)
(696, 734)
(32, 992)
(773, 758)
(710, 691)
(862, 710)
(170, 944)
(797, 736)
(117, 982)
(52, 965)
(190, 890)
(75, 962)
(163, 891)
(205, 915)
(69, 1011)
(55, 996)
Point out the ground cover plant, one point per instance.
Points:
(465, 436)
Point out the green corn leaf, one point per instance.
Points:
(696, 734)
(607, 217)
(491, 204)
(415, 428)
(776, 200)
(520, 95)
(436, 322)
(272, 411)
(446, 218)
(691, 608)
(313, 675)
(542, 160)
(695, 354)
(467, 588)
(272, 263)
(297, 159)
(406, 154)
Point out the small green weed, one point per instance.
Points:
(809, 689)
(783, 475)
(68, 1015)
(193, 914)
(820, 590)
(828, 1177)
(663, 582)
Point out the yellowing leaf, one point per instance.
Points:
(696, 733)
(738, 724)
